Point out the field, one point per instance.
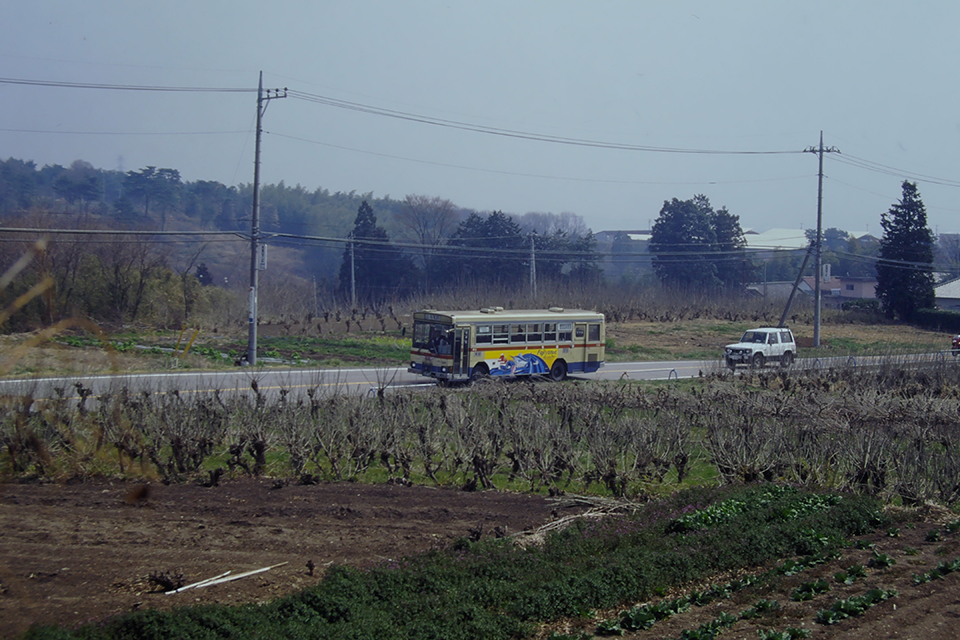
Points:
(78, 553)
(101, 507)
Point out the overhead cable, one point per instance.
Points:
(511, 133)
(123, 87)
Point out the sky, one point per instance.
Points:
(600, 108)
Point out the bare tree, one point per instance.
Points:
(190, 286)
(124, 266)
(546, 224)
(428, 221)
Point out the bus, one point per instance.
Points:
(466, 345)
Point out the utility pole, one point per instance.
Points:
(262, 101)
(818, 245)
(353, 274)
(533, 269)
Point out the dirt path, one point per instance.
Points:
(71, 554)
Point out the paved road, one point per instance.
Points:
(354, 381)
(369, 380)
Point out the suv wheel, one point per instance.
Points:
(786, 360)
(758, 361)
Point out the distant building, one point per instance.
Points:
(836, 290)
(609, 236)
(948, 295)
(777, 289)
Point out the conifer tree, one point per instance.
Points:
(905, 264)
(381, 270)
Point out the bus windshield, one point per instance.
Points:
(433, 336)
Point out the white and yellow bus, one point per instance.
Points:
(461, 345)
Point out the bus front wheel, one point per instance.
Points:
(479, 372)
(558, 371)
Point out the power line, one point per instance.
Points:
(123, 133)
(384, 247)
(877, 167)
(511, 133)
(442, 122)
(123, 87)
(119, 232)
(527, 175)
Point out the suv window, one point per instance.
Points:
(786, 337)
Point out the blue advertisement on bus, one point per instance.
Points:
(519, 364)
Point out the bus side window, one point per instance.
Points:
(550, 332)
(533, 333)
(518, 333)
(484, 336)
(594, 333)
(580, 332)
(501, 334)
(566, 331)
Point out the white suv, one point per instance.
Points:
(758, 346)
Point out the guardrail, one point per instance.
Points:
(911, 360)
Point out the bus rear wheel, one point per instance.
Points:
(558, 371)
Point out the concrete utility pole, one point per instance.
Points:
(353, 274)
(262, 101)
(819, 241)
(533, 269)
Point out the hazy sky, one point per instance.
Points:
(879, 78)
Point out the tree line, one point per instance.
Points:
(427, 244)
(485, 250)
(695, 246)
(421, 244)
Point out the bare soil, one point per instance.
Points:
(78, 553)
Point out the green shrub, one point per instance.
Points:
(809, 590)
(937, 320)
(855, 606)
